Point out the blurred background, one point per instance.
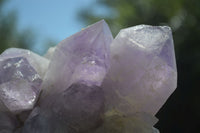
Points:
(36, 25)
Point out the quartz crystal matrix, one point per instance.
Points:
(89, 83)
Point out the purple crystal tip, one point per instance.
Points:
(143, 70)
(83, 57)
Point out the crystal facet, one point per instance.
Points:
(143, 70)
(19, 82)
(39, 63)
(83, 57)
(78, 108)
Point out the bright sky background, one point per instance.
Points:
(49, 19)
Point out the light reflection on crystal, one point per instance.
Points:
(131, 78)
(18, 90)
(140, 79)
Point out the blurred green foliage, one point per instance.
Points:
(10, 36)
(181, 113)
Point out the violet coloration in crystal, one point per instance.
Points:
(82, 57)
(74, 79)
(89, 83)
(39, 63)
(19, 82)
(143, 70)
(77, 109)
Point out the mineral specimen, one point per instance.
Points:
(19, 81)
(93, 84)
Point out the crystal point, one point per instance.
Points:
(20, 80)
(82, 57)
(143, 70)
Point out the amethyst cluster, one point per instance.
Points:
(89, 82)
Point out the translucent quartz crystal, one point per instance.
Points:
(82, 57)
(19, 84)
(71, 99)
(78, 108)
(143, 70)
(20, 81)
(94, 84)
